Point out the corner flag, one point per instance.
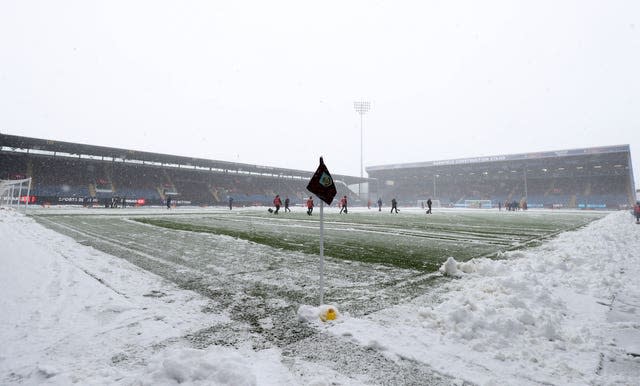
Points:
(321, 184)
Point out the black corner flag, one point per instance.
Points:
(321, 184)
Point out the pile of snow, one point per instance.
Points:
(567, 312)
(453, 268)
(450, 267)
(214, 366)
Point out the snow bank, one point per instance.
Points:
(452, 268)
(536, 316)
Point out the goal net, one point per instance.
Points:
(480, 204)
(434, 204)
(14, 193)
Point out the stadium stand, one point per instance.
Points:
(71, 173)
(588, 178)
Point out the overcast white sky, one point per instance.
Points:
(273, 82)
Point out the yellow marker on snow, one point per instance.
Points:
(328, 314)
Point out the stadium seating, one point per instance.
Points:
(73, 181)
(587, 191)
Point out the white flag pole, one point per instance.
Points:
(321, 252)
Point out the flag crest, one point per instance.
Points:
(322, 185)
(326, 180)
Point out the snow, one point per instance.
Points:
(62, 325)
(317, 315)
(450, 268)
(564, 313)
(556, 314)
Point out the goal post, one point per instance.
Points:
(13, 193)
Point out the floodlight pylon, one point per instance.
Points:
(361, 107)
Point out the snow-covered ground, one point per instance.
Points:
(62, 322)
(567, 312)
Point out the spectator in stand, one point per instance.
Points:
(277, 202)
(286, 205)
(394, 205)
(343, 205)
(310, 205)
(379, 204)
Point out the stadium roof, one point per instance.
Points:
(510, 157)
(37, 146)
